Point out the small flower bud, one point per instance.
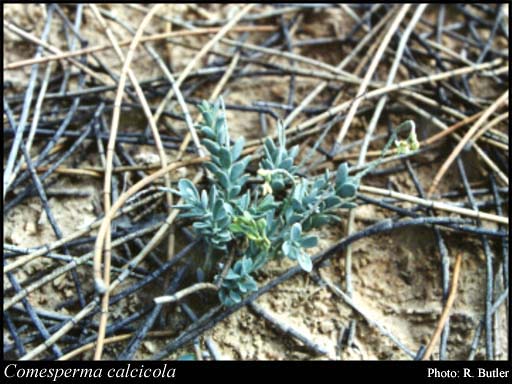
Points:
(267, 189)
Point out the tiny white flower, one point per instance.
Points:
(412, 140)
(264, 172)
(267, 189)
(402, 147)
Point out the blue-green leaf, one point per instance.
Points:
(234, 191)
(243, 202)
(270, 147)
(235, 296)
(236, 171)
(286, 163)
(212, 167)
(259, 261)
(220, 128)
(223, 180)
(296, 204)
(211, 146)
(308, 242)
(208, 132)
(342, 174)
(295, 232)
(201, 225)
(293, 254)
(241, 287)
(319, 220)
(204, 199)
(224, 235)
(286, 247)
(250, 284)
(305, 261)
(267, 203)
(231, 275)
(224, 299)
(225, 158)
(277, 184)
(188, 189)
(246, 265)
(237, 148)
(347, 190)
(332, 201)
(218, 210)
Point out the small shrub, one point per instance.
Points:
(270, 221)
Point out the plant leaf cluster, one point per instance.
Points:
(262, 222)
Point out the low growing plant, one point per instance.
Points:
(252, 224)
